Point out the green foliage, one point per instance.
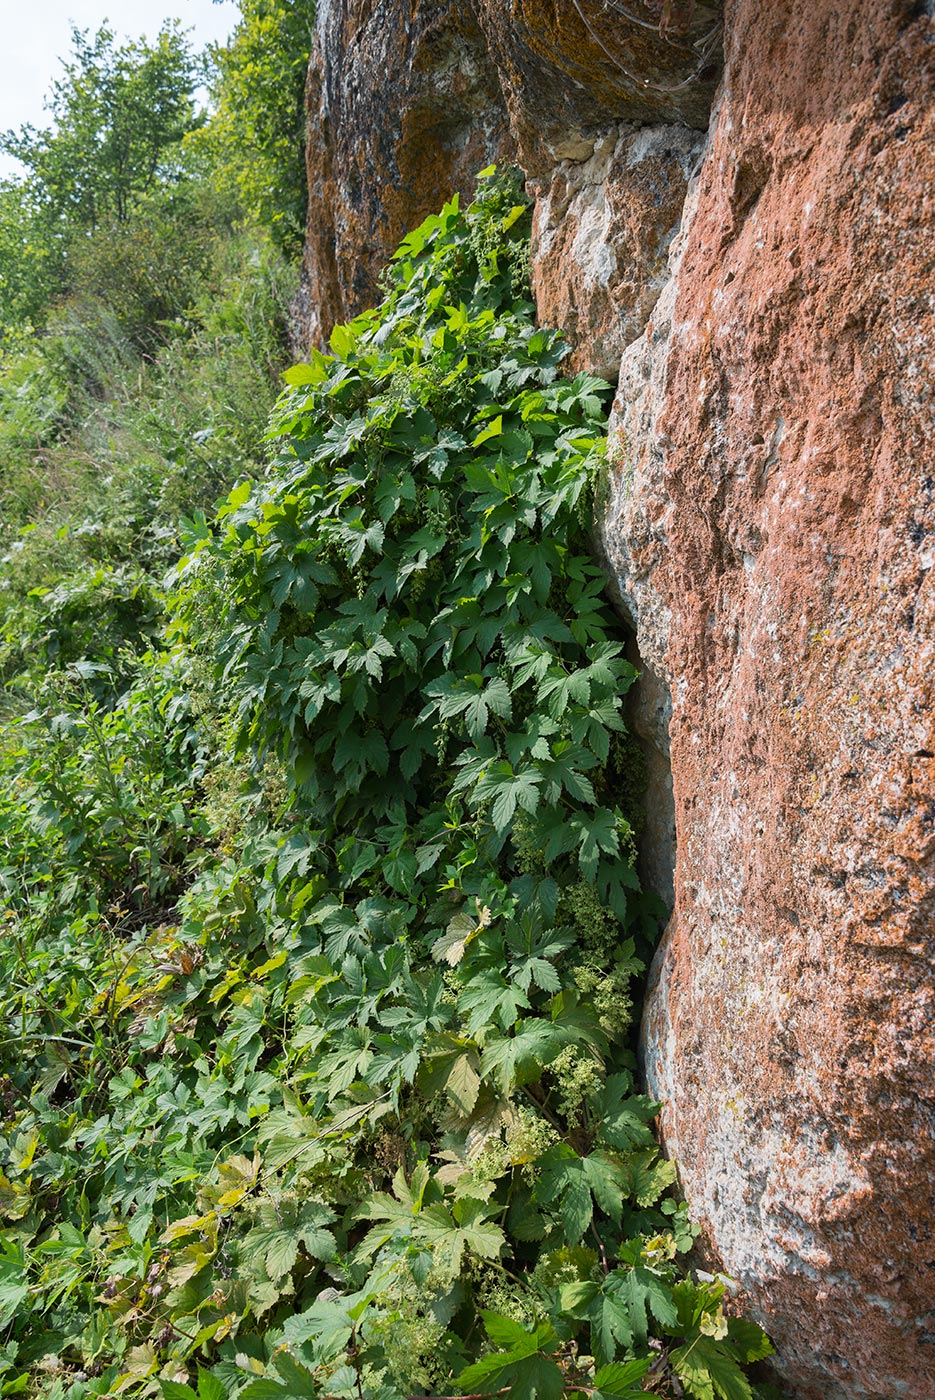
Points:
(143, 272)
(111, 156)
(322, 925)
(397, 599)
(112, 823)
(123, 193)
(119, 115)
(33, 409)
(165, 437)
(254, 142)
(32, 255)
(138, 338)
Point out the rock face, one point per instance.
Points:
(408, 99)
(769, 532)
(404, 108)
(576, 68)
(601, 234)
(772, 523)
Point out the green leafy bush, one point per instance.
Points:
(207, 395)
(112, 788)
(104, 453)
(146, 272)
(346, 1106)
(33, 409)
(31, 259)
(253, 145)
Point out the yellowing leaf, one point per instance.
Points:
(140, 1363)
(24, 1152)
(15, 1200)
(493, 429)
(270, 966)
(189, 1262)
(462, 1085)
(229, 1199)
(189, 1225)
(231, 979)
(451, 946)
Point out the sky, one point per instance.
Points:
(37, 35)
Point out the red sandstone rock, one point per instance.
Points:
(773, 527)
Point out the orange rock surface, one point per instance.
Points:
(781, 518)
(404, 108)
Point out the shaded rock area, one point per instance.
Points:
(573, 69)
(408, 99)
(765, 286)
(404, 108)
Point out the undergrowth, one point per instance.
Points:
(105, 448)
(322, 926)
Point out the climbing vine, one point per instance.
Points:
(355, 1113)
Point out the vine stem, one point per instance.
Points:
(665, 88)
(600, 1244)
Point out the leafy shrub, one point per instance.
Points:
(406, 614)
(104, 453)
(33, 410)
(90, 351)
(32, 257)
(94, 612)
(352, 1111)
(119, 115)
(209, 392)
(111, 788)
(145, 272)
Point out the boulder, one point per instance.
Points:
(771, 525)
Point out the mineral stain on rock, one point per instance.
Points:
(748, 250)
(404, 108)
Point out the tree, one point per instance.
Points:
(31, 256)
(254, 142)
(119, 116)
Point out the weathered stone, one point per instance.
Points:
(772, 527)
(603, 96)
(405, 106)
(633, 536)
(404, 109)
(601, 232)
(572, 71)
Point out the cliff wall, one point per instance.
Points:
(735, 219)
